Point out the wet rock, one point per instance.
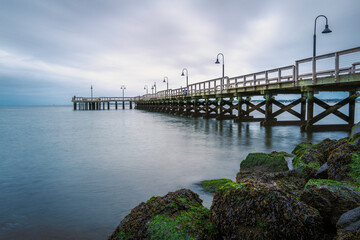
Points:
(348, 226)
(255, 210)
(309, 158)
(344, 163)
(263, 162)
(322, 172)
(349, 218)
(331, 198)
(292, 182)
(177, 215)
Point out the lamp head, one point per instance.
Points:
(164, 80)
(182, 74)
(327, 29)
(217, 61)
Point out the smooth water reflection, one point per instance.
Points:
(75, 174)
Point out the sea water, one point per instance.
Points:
(68, 174)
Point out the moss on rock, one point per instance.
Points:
(177, 215)
(263, 162)
(214, 184)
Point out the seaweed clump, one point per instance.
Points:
(177, 215)
(214, 184)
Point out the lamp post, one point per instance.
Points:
(167, 84)
(152, 89)
(146, 87)
(123, 90)
(187, 79)
(223, 68)
(91, 93)
(326, 30)
(155, 87)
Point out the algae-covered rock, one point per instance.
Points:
(331, 198)
(348, 226)
(214, 184)
(254, 210)
(263, 162)
(292, 182)
(354, 137)
(177, 215)
(344, 164)
(301, 147)
(309, 158)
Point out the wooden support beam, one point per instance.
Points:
(327, 106)
(328, 111)
(252, 107)
(352, 107)
(287, 108)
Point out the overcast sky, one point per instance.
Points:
(51, 50)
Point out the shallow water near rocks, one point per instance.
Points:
(68, 174)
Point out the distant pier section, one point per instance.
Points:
(101, 103)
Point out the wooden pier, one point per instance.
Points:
(101, 103)
(230, 98)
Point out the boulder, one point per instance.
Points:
(331, 198)
(177, 215)
(263, 162)
(309, 158)
(348, 226)
(255, 210)
(344, 163)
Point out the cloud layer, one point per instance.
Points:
(52, 50)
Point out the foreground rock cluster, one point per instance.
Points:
(318, 199)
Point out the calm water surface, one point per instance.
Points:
(75, 174)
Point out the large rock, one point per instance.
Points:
(309, 158)
(177, 215)
(344, 163)
(255, 210)
(348, 226)
(263, 162)
(331, 198)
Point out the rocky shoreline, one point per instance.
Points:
(318, 199)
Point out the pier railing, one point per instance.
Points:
(327, 65)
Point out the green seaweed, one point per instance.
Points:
(332, 183)
(124, 236)
(181, 225)
(214, 185)
(230, 186)
(355, 167)
(274, 159)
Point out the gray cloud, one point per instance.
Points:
(69, 45)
